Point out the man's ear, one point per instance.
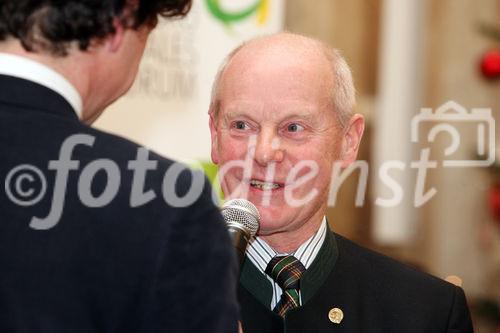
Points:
(213, 134)
(115, 40)
(351, 139)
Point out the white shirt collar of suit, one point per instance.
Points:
(28, 69)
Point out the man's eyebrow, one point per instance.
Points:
(236, 114)
(302, 112)
(300, 115)
(305, 115)
(240, 109)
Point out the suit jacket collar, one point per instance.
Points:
(29, 95)
(28, 69)
(315, 276)
(320, 269)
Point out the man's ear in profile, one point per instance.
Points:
(114, 41)
(351, 140)
(213, 134)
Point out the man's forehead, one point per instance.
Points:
(283, 74)
(296, 83)
(293, 106)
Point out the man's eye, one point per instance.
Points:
(240, 125)
(295, 128)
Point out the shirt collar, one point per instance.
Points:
(28, 69)
(260, 253)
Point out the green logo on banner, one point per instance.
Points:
(260, 7)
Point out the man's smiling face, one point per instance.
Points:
(275, 104)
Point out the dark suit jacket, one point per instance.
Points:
(153, 268)
(375, 293)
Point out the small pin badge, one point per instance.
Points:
(335, 315)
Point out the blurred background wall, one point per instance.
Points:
(405, 55)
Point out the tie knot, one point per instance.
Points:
(286, 271)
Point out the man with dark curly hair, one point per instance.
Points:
(96, 233)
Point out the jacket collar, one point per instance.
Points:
(33, 96)
(23, 68)
(315, 276)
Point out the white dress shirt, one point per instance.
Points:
(28, 69)
(260, 254)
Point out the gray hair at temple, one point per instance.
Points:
(343, 93)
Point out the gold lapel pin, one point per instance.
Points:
(335, 315)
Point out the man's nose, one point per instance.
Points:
(268, 148)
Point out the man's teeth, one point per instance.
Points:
(263, 185)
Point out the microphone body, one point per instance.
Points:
(242, 220)
(240, 239)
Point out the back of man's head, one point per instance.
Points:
(52, 25)
(96, 45)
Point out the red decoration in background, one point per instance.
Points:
(490, 61)
(490, 64)
(494, 202)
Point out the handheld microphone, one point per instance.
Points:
(242, 219)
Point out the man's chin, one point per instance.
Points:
(269, 229)
(272, 220)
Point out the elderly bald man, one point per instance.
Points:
(284, 104)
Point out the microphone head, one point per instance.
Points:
(243, 213)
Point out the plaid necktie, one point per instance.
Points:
(286, 271)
